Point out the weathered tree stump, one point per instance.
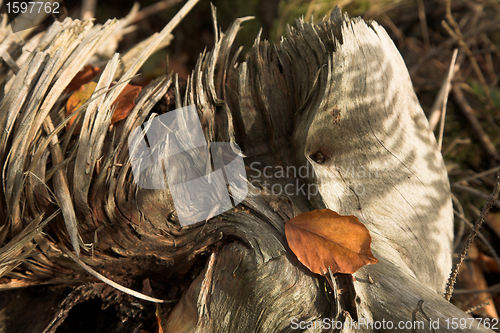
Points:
(326, 119)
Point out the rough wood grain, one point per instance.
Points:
(332, 105)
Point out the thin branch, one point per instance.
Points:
(88, 9)
(493, 289)
(154, 9)
(477, 307)
(478, 175)
(423, 24)
(473, 191)
(461, 228)
(454, 143)
(457, 35)
(456, 267)
(468, 112)
(9, 61)
(483, 239)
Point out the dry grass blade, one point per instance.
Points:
(442, 97)
(445, 97)
(112, 283)
(474, 192)
(479, 175)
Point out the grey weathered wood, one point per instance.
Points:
(382, 165)
(334, 99)
(340, 91)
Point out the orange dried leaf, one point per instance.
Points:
(78, 98)
(323, 238)
(84, 76)
(488, 262)
(125, 102)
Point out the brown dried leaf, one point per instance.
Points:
(323, 238)
(84, 76)
(77, 99)
(125, 102)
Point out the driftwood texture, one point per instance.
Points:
(334, 99)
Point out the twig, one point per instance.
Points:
(153, 9)
(457, 35)
(445, 97)
(340, 313)
(492, 289)
(473, 192)
(88, 9)
(477, 307)
(461, 228)
(454, 143)
(483, 239)
(77, 295)
(456, 267)
(444, 46)
(478, 175)
(423, 24)
(386, 20)
(468, 112)
(488, 58)
(310, 10)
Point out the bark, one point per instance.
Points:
(332, 105)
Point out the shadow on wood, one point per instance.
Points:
(326, 119)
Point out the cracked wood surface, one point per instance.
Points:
(333, 98)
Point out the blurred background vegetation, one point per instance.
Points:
(472, 128)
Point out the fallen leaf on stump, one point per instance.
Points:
(322, 238)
